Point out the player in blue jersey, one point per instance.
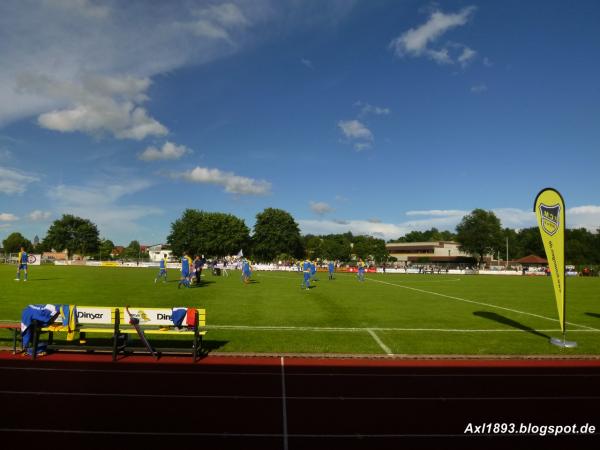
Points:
(246, 271)
(331, 269)
(313, 270)
(306, 268)
(163, 269)
(22, 261)
(186, 264)
(361, 270)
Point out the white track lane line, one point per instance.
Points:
(284, 406)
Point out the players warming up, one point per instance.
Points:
(186, 264)
(22, 261)
(361, 270)
(313, 270)
(246, 271)
(162, 273)
(331, 269)
(306, 270)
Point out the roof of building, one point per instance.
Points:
(421, 244)
(532, 259)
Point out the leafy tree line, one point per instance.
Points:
(276, 236)
(480, 233)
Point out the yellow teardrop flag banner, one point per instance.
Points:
(549, 208)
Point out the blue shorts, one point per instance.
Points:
(22, 267)
(162, 272)
(306, 276)
(185, 273)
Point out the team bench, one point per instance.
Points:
(154, 322)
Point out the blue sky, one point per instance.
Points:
(378, 117)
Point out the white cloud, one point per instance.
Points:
(8, 217)
(438, 212)
(307, 63)
(71, 40)
(416, 41)
(168, 151)
(97, 104)
(370, 109)
(320, 207)
(360, 146)
(359, 227)
(587, 216)
(217, 22)
(5, 154)
(79, 38)
(102, 203)
(353, 129)
(515, 218)
(38, 215)
(13, 181)
(84, 8)
(233, 184)
(440, 56)
(479, 88)
(466, 56)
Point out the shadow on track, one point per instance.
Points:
(511, 323)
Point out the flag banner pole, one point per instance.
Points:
(549, 208)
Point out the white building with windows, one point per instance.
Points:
(156, 252)
(438, 252)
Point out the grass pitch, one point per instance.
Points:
(387, 314)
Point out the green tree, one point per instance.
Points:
(73, 233)
(579, 246)
(337, 247)
(479, 233)
(530, 242)
(313, 246)
(208, 233)
(368, 247)
(14, 242)
(106, 248)
(426, 236)
(515, 250)
(132, 251)
(276, 232)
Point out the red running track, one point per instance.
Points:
(87, 401)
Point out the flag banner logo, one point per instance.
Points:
(549, 208)
(550, 217)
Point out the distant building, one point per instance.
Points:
(36, 241)
(155, 252)
(56, 256)
(428, 252)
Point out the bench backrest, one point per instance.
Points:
(96, 315)
(105, 315)
(156, 316)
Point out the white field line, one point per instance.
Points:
(384, 347)
(481, 303)
(363, 329)
(260, 274)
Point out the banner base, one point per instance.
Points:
(563, 343)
